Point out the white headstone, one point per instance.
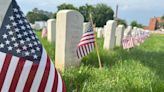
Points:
(40, 25)
(4, 5)
(51, 30)
(134, 31)
(69, 31)
(128, 31)
(109, 41)
(99, 32)
(119, 34)
(105, 29)
(85, 26)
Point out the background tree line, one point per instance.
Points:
(101, 14)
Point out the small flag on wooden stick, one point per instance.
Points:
(87, 43)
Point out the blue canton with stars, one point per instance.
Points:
(90, 29)
(17, 36)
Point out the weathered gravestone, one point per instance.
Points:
(109, 41)
(128, 31)
(69, 31)
(51, 30)
(105, 29)
(119, 34)
(4, 5)
(134, 31)
(85, 27)
(99, 32)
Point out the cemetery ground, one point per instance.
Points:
(141, 69)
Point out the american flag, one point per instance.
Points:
(87, 43)
(127, 42)
(44, 32)
(25, 65)
(136, 40)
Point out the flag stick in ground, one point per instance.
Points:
(100, 65)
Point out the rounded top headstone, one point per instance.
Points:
(121, 26)
(50, 20)
(109, 22)
(70, 12)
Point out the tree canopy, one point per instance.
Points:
(122, 22)
(136, 24)
(66, 6)
(101, 12)
(38, 15)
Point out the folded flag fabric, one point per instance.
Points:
(25, 65)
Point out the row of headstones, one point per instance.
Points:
(114, 34)
(66, 32)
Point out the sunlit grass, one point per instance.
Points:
(139, 70)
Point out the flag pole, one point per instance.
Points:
(98, 55)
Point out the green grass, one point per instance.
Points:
(50, 48)
(139, 70)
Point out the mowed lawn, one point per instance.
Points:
(140, 69)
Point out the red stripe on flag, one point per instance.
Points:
(87, 35)
(63, 87)
(30, 78)
(4, 69)
(87, 39)
(17, 74)
(45, 76)
(55, 85)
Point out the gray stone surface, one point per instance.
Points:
(69, 25)
(109, 41)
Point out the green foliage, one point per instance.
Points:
(38, 15)
(50, 48)
(102, 14)
(66, 6)
(137, 70)
(122, 22)
(135, 24)
(162, 17)
(85, 11)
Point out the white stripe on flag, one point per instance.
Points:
(87, 37)
(51, 77)
(86, 46)
(90, 47)
(24, 75)
(87, 41)
(82, 54)
(10, 73)
(40, 72)
(84, 49)
(60, 86)
(78, 52)
(88, 33)
(2, 58)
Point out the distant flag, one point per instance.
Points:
(136, 40)
(127, 42)
(25, 65)
(87, 42)
(44, 32)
